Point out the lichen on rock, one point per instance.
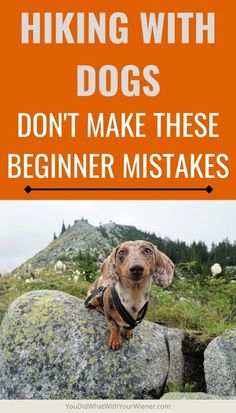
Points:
(51, 347)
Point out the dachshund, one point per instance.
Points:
(122, 290)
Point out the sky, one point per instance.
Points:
(27, 227)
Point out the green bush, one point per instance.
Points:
(87, 265)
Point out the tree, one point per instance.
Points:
(54, 236)
(63, 228)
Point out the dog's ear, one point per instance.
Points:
(164, 269)
(108, 268)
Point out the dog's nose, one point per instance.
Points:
(136, 270)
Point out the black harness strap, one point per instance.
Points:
(98, 291)
(128, 319)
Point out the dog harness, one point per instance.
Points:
(97, 292)
(125, 315)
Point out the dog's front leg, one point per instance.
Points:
(126, 333)
(115, 339)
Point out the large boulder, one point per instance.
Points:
(220, 364)
(51, 347)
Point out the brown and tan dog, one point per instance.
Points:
(129, 270)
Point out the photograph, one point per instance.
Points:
(117, 300)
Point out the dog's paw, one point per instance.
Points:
(114, 342)
(127, 333)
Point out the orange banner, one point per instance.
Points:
(118, 100)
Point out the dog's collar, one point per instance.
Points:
(127, 318)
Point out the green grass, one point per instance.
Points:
(206, 309)
(48, 282)
(201, 306)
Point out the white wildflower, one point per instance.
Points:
(216, 269)
(76, 277)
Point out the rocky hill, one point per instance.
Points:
(83, 243)
(84, 238)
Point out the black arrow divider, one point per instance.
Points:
(29, 189)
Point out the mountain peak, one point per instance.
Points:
(82, 238)
(82, 223)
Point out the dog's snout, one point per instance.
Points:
(136, 270)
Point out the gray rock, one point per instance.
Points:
(80, 237)
(220, 364)
(51, 347)
(191, 396)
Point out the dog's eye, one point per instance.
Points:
(121, 253)
(147, 250)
